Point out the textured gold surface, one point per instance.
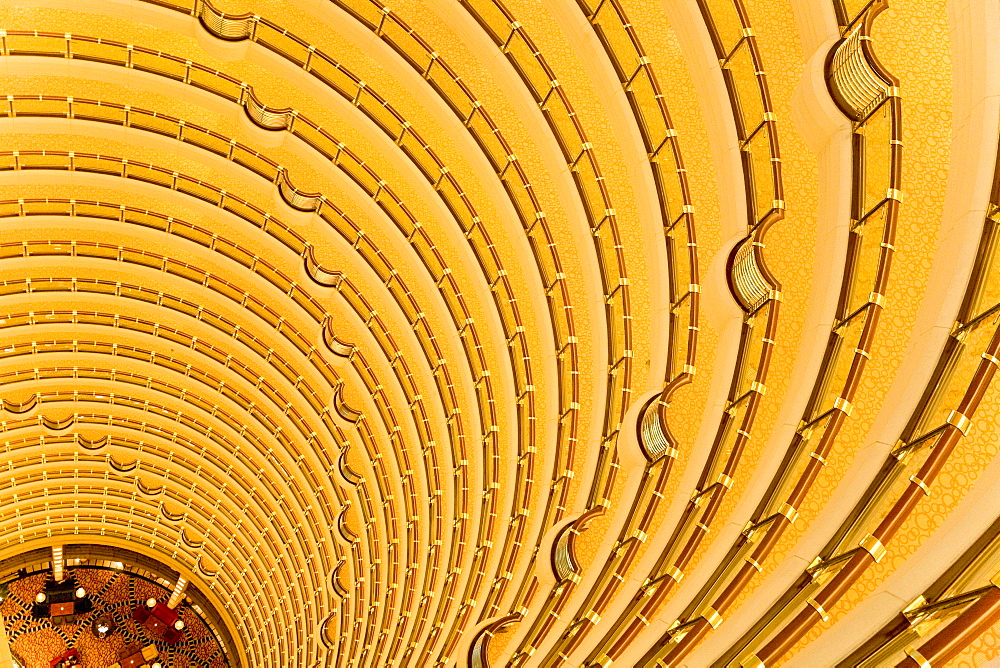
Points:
(449, 529)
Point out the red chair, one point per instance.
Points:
(140, 614)
(68, 659)
(171, 636)
(166, 615)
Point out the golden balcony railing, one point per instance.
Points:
(636, 73)
(866, 273)
(940, 421)
(950, 612)
(456, 93)
(388, 122)
(875, 208)
(282, 483)
(82, 162)
(758, 293)
(84, 208)
(647, 103)
(179, 482)
(512, 38)
(354, 167)
(135, 117)
(855, 77)
(225, 289)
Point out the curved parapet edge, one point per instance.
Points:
(264, 116)
(858, 82)
(93, 445)
(224, 26)
(123, 467)
(565, 564)
(335, 345)
(345, 531)
(480, 644)
(194, 542)
(654, 436)
(340, 406)
(324, 277)
(173, 517)
(207, 567)
(57, 424)
(308, 202)
(338, 586)
(749, 279)
(21, 407)
(328, 631)
(346, 472)
(147, 489)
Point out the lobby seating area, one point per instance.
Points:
(115, 596)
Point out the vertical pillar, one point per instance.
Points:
(58, 563)
(177, 595)
(6, 659)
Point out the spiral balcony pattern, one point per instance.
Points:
(512, 333)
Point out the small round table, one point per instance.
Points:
(103, 626)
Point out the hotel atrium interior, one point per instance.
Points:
(484, 333)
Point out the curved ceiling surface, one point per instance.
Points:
(507, 332)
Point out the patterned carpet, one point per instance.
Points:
(115, 593)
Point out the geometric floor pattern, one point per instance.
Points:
(36, 641)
